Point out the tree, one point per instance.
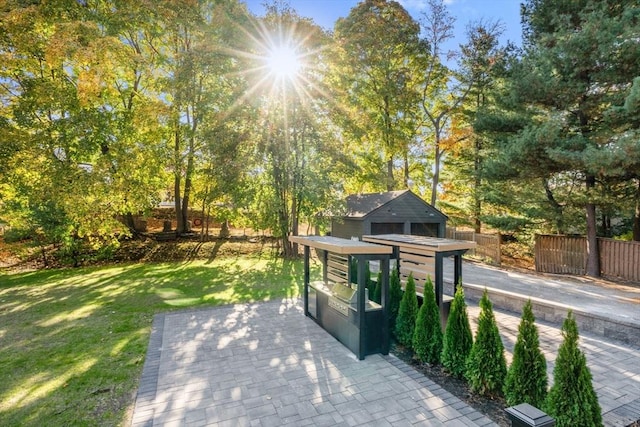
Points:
(572, 399)
(481, 64)
(444, 91)
(298, 154)
(74, 113)
(526, 380)
(395, 296)
(376, 47)
(427, 337)
(577, 66)
(406, 321)
(486, 365)
(458, 340)
(198, 75)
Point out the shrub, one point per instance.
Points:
(527, 376)
(457, 340)
(486, 365)
(572, 400)
(395, 296)
(406, 321)
(13, 235)
(427, 337)
(353, 275)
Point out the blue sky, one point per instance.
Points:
(326, 12)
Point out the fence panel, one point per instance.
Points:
(488, 245)
(561, 254)
(620, 259)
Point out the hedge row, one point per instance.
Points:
(481, 362)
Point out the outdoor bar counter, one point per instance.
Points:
(423, 258)
(340, 307)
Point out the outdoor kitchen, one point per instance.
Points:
(343, 308)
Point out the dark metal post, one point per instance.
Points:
(306, 280)
(439, 279)
(457, 270)
(361, 315)
(385, 303)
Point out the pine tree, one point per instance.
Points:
(427, 337)
(406, 321)
(395, 296)
(572, 401)
(527, 376)
(458, 340)
(486, 365)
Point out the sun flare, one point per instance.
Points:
(283, 62)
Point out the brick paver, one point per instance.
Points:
(265, 364)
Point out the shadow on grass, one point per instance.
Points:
(74, 341)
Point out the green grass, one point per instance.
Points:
(73, 342)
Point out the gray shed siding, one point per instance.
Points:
(346, 228)
(407, 210)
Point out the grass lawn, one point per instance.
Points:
(73, 341)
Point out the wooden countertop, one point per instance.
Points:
(341, 246)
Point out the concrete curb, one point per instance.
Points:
(555, 312)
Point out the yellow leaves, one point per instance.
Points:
(86, 58)
(460, 135)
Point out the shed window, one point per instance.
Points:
(387, 228)
(424, 229)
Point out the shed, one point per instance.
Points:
(393, 212)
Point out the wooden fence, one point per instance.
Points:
(568, 255)
(488, 245)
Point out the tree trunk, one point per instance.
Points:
(477, 181)
(294, 224)
(636, 219)
(390, 180)
(176, 182)
(406, 170)
(224, 229)
(557, 207)
(436, 173)
(593, 255)
(130, 223)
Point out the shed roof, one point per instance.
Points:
(361, 205)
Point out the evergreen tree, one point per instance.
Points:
(395, 296)
(367, 279)
(406, 321)
(527, 376)
(458, 340)
(377, 290)
(486, 365)
(427, 337)
(572, 400)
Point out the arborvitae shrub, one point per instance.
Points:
(486, 365)
(572, 401)
(527, 376)
(427, 337)
(457, 340)
(407, 314)
(353, 270)
(353, 277)
(395, 296)
(377, 290)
